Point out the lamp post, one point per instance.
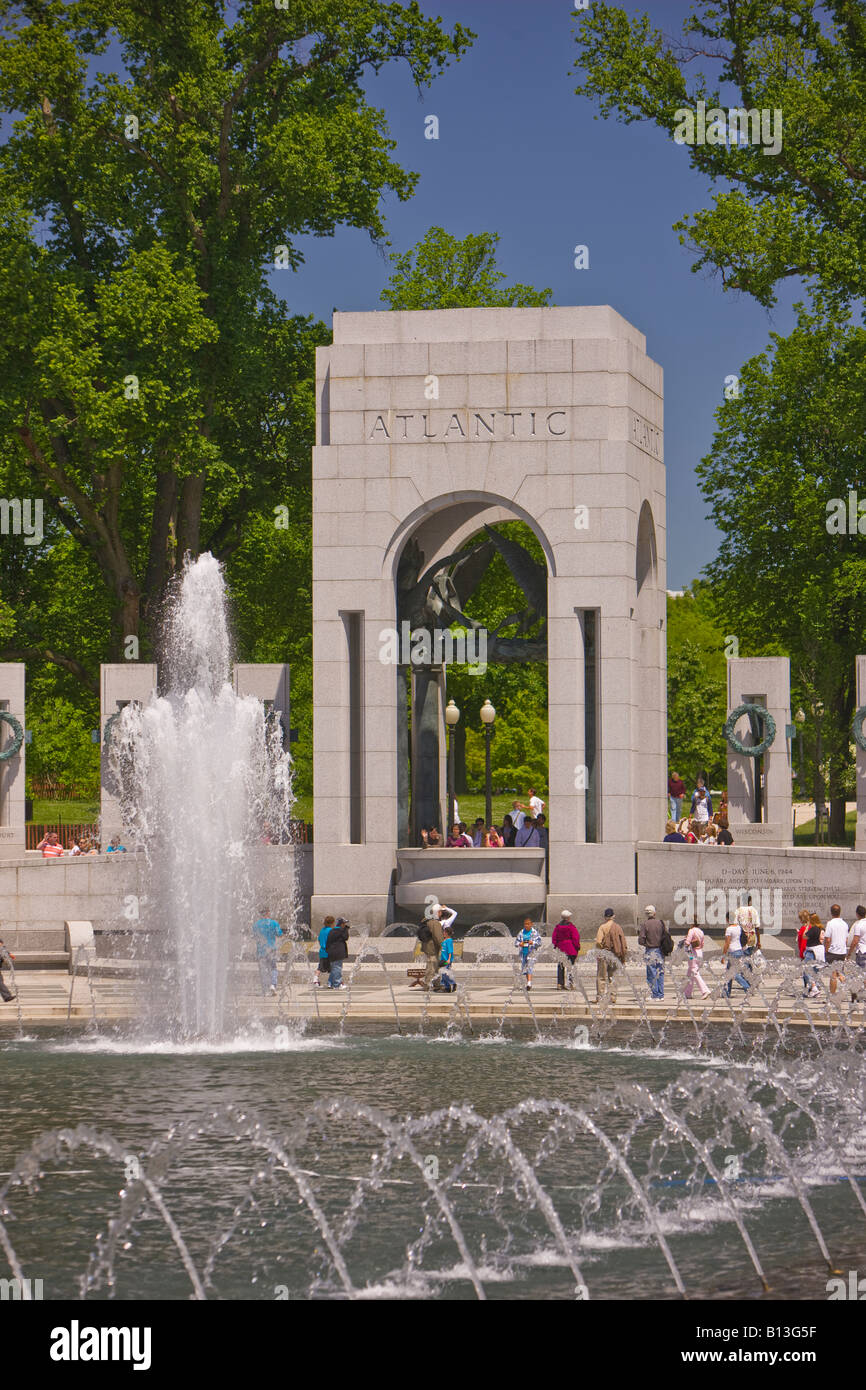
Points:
(488, 715)
(819, 772)
(452, 715)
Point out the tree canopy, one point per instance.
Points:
(156, 393)
(443, 272)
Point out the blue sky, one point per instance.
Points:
(519, 154)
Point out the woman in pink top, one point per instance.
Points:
(694, 947)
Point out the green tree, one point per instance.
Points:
(63, 753)
(797, 212)
(790, 575)
(697, 687)
(442, 272)
(155, 392)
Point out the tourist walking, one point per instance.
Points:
(836, 945)
(266, 931)
(431, 935)
(610, 937)
(813, 956)
(651, 935)
(337, 947)
(857, 949)
(566, 939)
(693, 945)
(750, 932)
(445, 981)
(676, 792)
(5, 959)
(732, 951)
(527, 942)
(324, 965)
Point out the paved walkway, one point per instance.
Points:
(487, 991)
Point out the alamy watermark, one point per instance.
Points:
(20, 1290)
(718, 906)
(22, 517)
(854, 1290)
(421, 647)
(736, 126)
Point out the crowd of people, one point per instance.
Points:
(702, 825)
(525, 827)
(80, 844)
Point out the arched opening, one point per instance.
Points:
(471, 597)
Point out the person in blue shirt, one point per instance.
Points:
(527, 942)
(116, 847)
(266, 931)
(324, 965)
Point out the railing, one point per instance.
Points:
(65, 833)
(300, 832)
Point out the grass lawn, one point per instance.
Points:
(84, 812)
(64, 812)
(805, 834)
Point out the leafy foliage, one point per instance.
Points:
(442, 272)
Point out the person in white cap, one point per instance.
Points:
(650, 935)
(566, 938)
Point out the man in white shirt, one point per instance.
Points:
(518, 816)
(857, 949)
(836, 944)
(536, 805)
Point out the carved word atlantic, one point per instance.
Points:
(414, 427)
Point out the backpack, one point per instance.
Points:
(666, 945)
(424, 933)
(444, 984)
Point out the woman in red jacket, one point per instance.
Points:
(566, 938)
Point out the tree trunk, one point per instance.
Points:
(189, 515)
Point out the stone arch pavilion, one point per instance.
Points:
(431, 424)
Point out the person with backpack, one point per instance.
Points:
(444, 982)
(814, 955)
(431, 936)
(527, 942)
(337, 947)
(324, 965)
(657, 943)
(733, 950)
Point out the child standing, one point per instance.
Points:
(527, 942)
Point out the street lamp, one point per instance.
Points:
(488, 715)
(819, 772)
(452, 715)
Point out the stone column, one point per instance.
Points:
(12, 814)
(119, 684)
(860, 839)
(766, 681)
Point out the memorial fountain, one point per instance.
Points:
(213, 1153)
